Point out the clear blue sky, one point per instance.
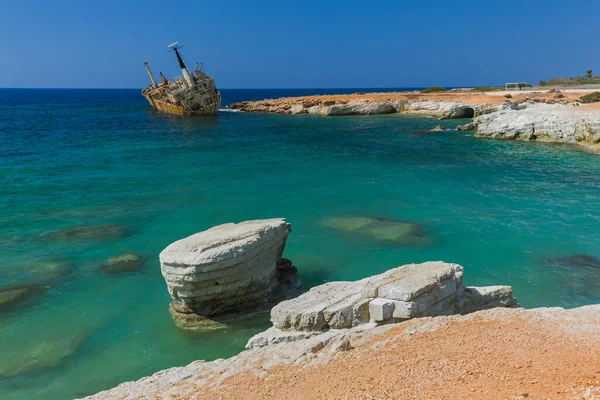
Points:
(298, 44)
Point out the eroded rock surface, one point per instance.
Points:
(543, 122)
(402, 103)
(448, 352)
(409, 291)
(226, 268)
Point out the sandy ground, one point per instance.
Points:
(482, 359)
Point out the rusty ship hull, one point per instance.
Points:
(207, 104)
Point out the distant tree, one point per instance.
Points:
(588, 74)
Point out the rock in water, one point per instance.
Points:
(225, 269)
(9, 295)
(13, 295)
(410, 291)
(38, 272)
(438, 128)
(45, 272)
(382, 229)
(87, 233)
(577, 261)
(122, 263)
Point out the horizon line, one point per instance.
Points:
(256, 88)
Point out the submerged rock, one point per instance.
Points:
(225, 269)
(122, 263)
(45, 272)
(87, 233)
(438, 128)
(9, 295)
(382, 229)
(14, 295)
(46, 352)
(38, 272)
(576, 261)
(576, 275)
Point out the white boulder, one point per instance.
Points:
(225, 268)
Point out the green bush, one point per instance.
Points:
(589, 78)
(508, 96)
(361, 93)
(433, 89)
(485, 89)
(593, 97)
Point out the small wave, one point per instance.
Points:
(229, 110)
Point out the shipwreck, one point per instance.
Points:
(188, 94)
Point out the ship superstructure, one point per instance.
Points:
(188, 94)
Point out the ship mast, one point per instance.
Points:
(150, 73)
(185, 72)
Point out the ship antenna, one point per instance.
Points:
(175, 47)
(186, 73)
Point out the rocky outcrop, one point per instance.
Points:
(443, 109)
(543, 122)
(352, 108)
(225, 269)
(210, 378)
(409, 291)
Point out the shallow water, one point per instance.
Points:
(96, 158)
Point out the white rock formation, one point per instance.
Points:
(545, 122)
(357, 107)
(409, 291)
(317, 349)
(225, 268)
(444, 109)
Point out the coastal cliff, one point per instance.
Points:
(544, 116)
(543, 122)
(412, 331)
(447, 106)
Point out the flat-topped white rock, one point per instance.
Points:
(544, 122)
(226, 268)
(410, 291)
(338, 107)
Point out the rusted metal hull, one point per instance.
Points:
(166, 106)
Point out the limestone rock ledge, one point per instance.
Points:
(226, 268)
(542, 122)
(409, 291)
(200, 378)
(443, 109)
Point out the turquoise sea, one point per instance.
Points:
(509, 212)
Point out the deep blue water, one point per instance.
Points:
(510, 213)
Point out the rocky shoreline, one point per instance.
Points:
(532, 116)
(377, 316)
(344, 355)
